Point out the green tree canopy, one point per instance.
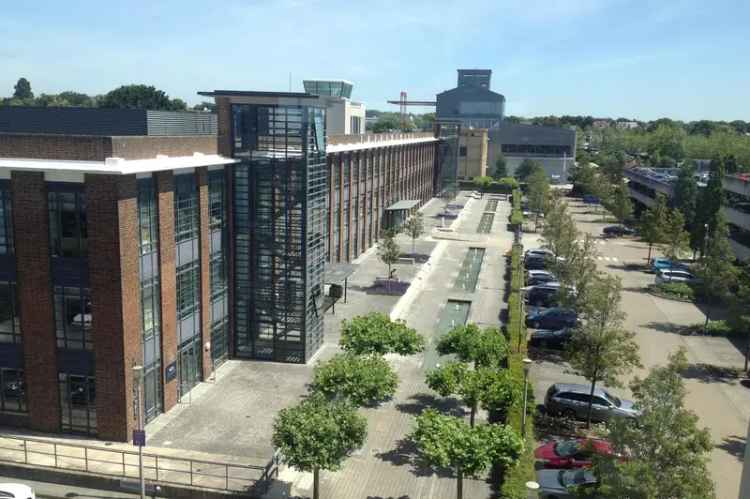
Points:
(667, 451)
(22, 90)
(448, 442)
(480, 347)
(526, 168)
(652, 223)
(318, 434)
(620, 204)
(710, 201)
(376, 333)
(365, 380)
(414, 228)
(676, 240)
(388, 250)
(686, 198)
(501, 168)
(716, 270)
(537, 192)
(140, 97)
(577, 272)
(559, 232)
(600, 350)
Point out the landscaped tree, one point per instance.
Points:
(318, 434)
(140, 97)
(365, 380)
(600, 350)
(685, 199)
(676, 240)
(652, 223)
(559, 231)
(537, 193)
(716, 270)
(494, 388)
(501, 168)
(620, 204)
(526, 168)
(22, 90)
(388, 251)
(376, 333)
(710, 201)
(739, 314)
(666, 450)
(469, 343)
(448, 442)
(576, 273)
(414, 227)
(482, 183)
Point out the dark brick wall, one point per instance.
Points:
(115, 291)
(168, 275)
(31, 232)
(60, 147)
(146, 147)
(201, 176)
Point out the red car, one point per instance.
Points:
(574, 453)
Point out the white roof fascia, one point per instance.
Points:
(356, 146)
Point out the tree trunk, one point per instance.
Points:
(472, 415)
(413, 246)
(705, 324)
(747, 350)
(388, 281)
(316, 484)
(591, 404)
(650, 245)
(459, 484)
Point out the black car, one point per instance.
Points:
(543, 295)
(552, 318)
(536, 277)
(617, 231)
(535, 263)
(549, 338)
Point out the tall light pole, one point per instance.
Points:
(705, 240)
(138, 381)
(526, 366)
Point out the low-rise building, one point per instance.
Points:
(472, 153)
(343, 115)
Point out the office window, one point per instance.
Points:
(185, 208)
(150, 304)
(188, 290)
(216, 199)
(6, 223)
(10, 325)
(77, 403)
(462, 151)
(73, 318)
(147, 216)
(13, 394)
(67, 223)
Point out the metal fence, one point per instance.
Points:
(157, 469)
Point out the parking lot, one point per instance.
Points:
(722, 404)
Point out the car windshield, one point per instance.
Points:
(613, 399)
(567, 448)
(572, 477)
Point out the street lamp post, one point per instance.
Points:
(705, 240)
(526, 366)
(138, 381)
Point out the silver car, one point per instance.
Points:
(572, 400)
(562, 483)
(666, 275)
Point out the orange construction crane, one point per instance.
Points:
(403, 102)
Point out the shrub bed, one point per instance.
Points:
(516, 214)
(714, 328)
(514, 479)
(674, 291)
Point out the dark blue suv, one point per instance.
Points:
(552, 318)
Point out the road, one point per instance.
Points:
(45, 490)
(722, 404)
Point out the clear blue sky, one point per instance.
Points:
(685, 59)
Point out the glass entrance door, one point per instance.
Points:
(190, 366)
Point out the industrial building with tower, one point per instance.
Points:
(175, 241)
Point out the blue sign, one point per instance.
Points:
(139, 438)
(170, 372)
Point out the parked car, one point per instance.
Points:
(665, 263)
(617, 231)
(543, 295)
(534, 277)
(563, 483)
(665, 275)
(541, 252)
(571, 453)
(572, 400)
(551, 318)
(16, 491)
(551, 338)
(590, 199)
(535, 262)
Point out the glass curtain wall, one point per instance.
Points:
(148, 223)
(218, 268)
(187, 247)
(280, 209)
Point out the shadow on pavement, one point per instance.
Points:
(406, 453)
(734, 445)
(421, 401)
(709, 373)
(664, 327)
(546, 355)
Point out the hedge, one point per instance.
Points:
(516, 214)
(514, 480)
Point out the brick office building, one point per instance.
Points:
(175, 241)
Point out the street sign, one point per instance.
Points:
(139, 438)
(170, 372)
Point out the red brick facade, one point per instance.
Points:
(113, 243)
(35, 300)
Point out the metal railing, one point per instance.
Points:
(157, 469)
